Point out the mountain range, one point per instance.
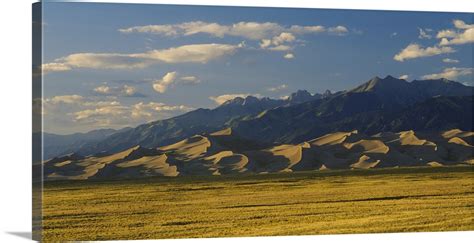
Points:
(379, 105)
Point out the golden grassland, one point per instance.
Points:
(325, 202)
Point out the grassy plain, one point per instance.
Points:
(323, 202)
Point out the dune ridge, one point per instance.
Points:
(223, 152)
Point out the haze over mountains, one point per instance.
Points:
(379, 106)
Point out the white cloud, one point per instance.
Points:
(167, 30)
(393, 34)
(278, 88)
(277, 43)
(248, 30)
(190, 80)
(289, 56)
(254, 30)
(129, 90)
(161, 85)
(197, 53)
(463, 34)
(125, 91)
(225, 97)
(450, 73)
(446, 34)
(449, 60)
(121, 114)
(404, 76)
(306, 29)
(338, 30)
(148, 109)
(461, 38)
(54, 67)
(170, 78)
(284, 37)
(66, 99)
(102, 89)
(79, 111)
(415, 51)
(423, 33)
(280, 48)
(462, 25)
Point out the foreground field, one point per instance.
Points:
(361, 201)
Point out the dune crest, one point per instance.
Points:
(224, 132)
(332, 138)
(222, 152)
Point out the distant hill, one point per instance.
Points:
(54, 145)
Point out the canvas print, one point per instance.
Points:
(164, 121)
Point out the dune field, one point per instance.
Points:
(224, 152)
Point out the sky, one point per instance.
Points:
(119, 65)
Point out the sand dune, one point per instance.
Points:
(223, 152)
(368, 146)
(365, 162)
(459, 141)
(332, 138)
(457, 133)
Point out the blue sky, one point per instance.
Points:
(116, 65)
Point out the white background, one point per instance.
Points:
(15, 115)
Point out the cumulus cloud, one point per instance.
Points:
(461, 38)
(450, 73)
(124, 91)
(197, 53)
(462, 25)
(225, 97)
(462, 34)
(415, 51)
(118, 114)
(277, 43)
(171, 78)
(446, 34)
(449, 60)
(278, 88)
(338, 30)
(76, 110)
(289, 56)
(404, 76)
(161, 85)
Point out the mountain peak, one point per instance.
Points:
(377, 83)
(300, 96)
(250, 100)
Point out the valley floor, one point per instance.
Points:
(306, 203)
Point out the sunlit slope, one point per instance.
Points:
(224, 152)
